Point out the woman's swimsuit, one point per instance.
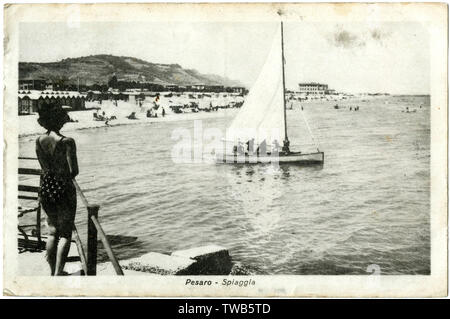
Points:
(62, 213)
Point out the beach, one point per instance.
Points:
(28, 124)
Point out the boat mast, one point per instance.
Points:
(284, 88)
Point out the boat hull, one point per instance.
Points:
(297, 158)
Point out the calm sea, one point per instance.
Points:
(367, 205)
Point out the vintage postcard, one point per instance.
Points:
(225, 150)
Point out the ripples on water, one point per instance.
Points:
(368, 204)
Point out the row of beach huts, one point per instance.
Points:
(31, 101)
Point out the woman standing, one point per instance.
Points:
(57, 157)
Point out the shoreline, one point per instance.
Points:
(28, 125)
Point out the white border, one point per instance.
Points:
(432, 15)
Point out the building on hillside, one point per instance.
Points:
(95, 95)
(53, 84)
(196, 87)
(32, 84)
(214, 88)
(313, 88)
(32, 101)
(50, 86)
(238, 89)
(116, 95)
(172, 88)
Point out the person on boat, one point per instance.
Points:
(275, 146)
(57, 157)
(240, 148)
(285, 147)
(250, 146)
(262, 149)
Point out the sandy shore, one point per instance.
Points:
(28, 124)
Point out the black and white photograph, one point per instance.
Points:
(225, 149)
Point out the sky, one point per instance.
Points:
(353, 57)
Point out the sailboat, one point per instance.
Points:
(262, 120)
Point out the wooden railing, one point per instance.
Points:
(31, 194)
(94, 229)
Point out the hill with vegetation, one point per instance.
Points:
(98, 69)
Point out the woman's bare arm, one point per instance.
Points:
(71, 155)
(40, 155)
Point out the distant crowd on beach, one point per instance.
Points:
(351, 108)
(356, 108)
(160, 106)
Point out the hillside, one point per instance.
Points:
(99, 68)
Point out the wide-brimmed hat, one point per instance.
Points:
(52, 116)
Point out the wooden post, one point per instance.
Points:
(107, 247)
(38, 225)
(92, 241)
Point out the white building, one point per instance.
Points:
(313, 88)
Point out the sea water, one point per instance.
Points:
(367, 206)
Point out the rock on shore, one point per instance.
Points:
(207, 260)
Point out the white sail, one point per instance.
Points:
(262, 115)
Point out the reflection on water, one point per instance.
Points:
(368, 204)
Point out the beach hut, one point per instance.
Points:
(77, 103)
(72, 103)
(25, 105)
(31, 101)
